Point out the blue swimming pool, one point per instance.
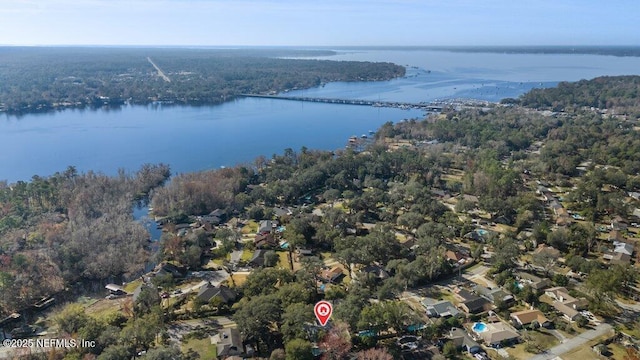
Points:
(482, 231)
(479, 327)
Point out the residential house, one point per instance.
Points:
(618, 223)
(541, 284)
(559, 293)
(228, 342)
(565, 303)
(281, 211)
(617, 258)
(471, 198)
(265, 227)
(208, 221)
(411, 243)
(550, 251)
(219, 213)
(258, 258)
(615, 235)
(332, 276)
(563, 218)
(301, 253)
(472, 303)
(498, 334)
(477, 235)
(462, 340)
(441, 308)
(493, 295)
(115, 289)
(208, 291)
(375, 271)
(265, 241)
(568, 312)
(455, 258)
(555, 206)
(526, 317)
(622, 247)
(439, 193)
(169, 268)
(535, 282)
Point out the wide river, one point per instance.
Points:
(197, 138)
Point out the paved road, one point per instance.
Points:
(632, 307)
(573, 343)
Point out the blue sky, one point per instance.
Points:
(319, 22)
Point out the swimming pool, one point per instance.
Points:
(479, 327)
(482, 231)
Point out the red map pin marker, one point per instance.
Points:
(323, 311)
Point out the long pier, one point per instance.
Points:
(434, 106)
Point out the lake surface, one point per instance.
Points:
(197, 138)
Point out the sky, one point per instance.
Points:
(319, 22)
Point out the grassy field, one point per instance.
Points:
(104, 306)
(283, 262)
(203, 347)
(543, 339)
(239, 279)
(633, 330)
(130, 287)
(250, 228)
(246, 255)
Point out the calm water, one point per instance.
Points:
(187, 138)
(489, 76)
(196, 138)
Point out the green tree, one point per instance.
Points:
(294, 320)
(450, 350)
(298, 349)
(258, 319)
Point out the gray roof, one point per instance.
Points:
(442, 308)
(229, 342)
(476, 305)
(217, 212)
(265, 225)
(622, 247)
(279, 211)
(208, 291)
(258, 258)
(462, 339)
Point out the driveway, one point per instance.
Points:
(235, 256)
(574, 343)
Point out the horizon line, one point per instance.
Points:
(317, 46)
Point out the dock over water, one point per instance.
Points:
(433, 106)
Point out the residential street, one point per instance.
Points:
(571, 344)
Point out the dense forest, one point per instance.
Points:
(619, 94)
(41, 79)
(69, 228)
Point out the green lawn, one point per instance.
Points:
(130, 287)
(542, 338)
(250, 228)
(284, 259)
(634, 330)
(246, 255)
(239, 279)
(203, 347)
